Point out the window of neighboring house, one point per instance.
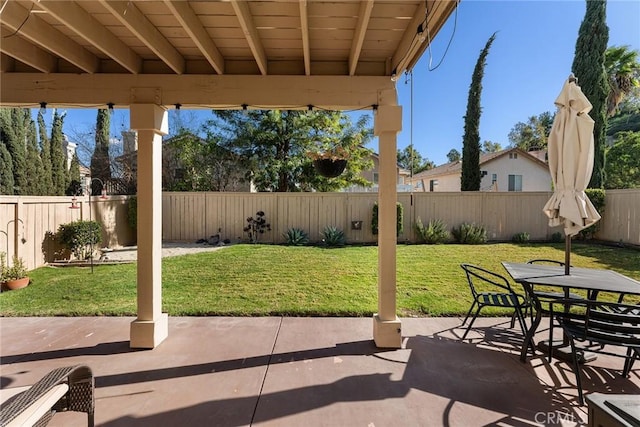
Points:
(375, 177)
(515, 182)
(513, 155)
(432, 184)
(494, 178)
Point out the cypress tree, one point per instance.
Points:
(6, 171)
(75, 186)
(34, 168)
(588, 67)
(100, 164)
(45, 155)
(58, 158)
(470, 179)
(13, 134)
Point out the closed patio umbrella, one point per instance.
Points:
(570, 150)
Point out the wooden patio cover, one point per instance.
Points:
(151, 56)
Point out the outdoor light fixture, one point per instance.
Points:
(245, 109)
(43, 107)
(374, 107)
(178, 106)
(394, 76)
(310, 107)
(421, 34)
(110, 106)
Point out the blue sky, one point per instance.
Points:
(526, 67)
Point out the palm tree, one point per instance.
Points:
(623, 69)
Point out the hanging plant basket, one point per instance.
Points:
(330, 168)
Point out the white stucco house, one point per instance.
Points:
(506, 170)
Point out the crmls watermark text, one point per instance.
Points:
(553, 418)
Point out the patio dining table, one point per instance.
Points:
(590, 279)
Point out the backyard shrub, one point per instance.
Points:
(296, 237)
(132, 213)
(596, 195)
(521, 237)
(557, 237)
(399, 219)
(469, 234)
(333, 237)
(433, 233)
(256, 226)
(79, 237)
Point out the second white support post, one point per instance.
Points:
(387, 328)
(152, 326)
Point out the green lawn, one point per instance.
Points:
(260, 280)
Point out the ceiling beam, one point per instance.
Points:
(192, 25)
(358, 37)
(35, 29)
(89, 28)
(131, 17)
(304, 27)
(20, 49)
(409, 44)
(6, 63)
(241, 8)
(197, 91)
(439, 12)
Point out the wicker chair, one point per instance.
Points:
(63, 389)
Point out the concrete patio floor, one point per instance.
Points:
(272, 371)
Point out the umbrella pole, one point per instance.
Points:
(567, 254)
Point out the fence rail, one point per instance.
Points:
(29, 222)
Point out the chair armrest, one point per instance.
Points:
(39, 407)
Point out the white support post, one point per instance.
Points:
(387, 328)
(151, 326)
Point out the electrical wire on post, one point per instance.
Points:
(455, 24)
(411, 126)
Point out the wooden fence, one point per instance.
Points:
(187, 217)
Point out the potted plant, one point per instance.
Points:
(14, 277)
(330, 163)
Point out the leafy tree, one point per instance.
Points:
(490, 147)
(200, 164)
(34, 168)
(58, 158)
(45, 155)
(13, 126)
(275, 146)
(470, 179)
(533, 134)
(454, 155)
(588, 67)
(100, 162)
(6, 171)
(623, 71)
(623, 161)
(411, 160)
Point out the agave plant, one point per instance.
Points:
(333, 237)
(296, 237)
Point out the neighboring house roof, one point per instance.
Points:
(456, 167)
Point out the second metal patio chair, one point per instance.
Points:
(490, 289)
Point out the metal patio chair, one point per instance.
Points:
(603, 323)
(490, 289)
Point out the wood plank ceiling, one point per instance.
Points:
(236, 37)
